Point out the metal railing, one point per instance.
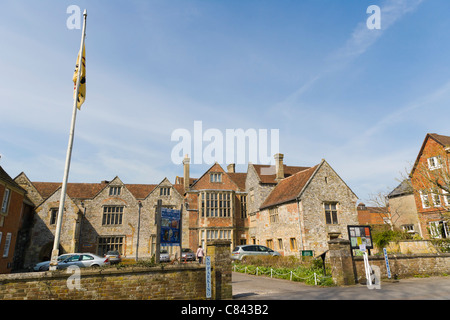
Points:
(273, 272)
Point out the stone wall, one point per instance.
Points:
(410, 247)
(287, 222)
(406, 265)
(347, 269)
(219, 251)
(172, 282)
(325, 187)
(164, 282)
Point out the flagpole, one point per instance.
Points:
(55, 251)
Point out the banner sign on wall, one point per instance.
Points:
(170, 227)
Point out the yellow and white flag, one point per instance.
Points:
(82, 88)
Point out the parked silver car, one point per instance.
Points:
(164, 256)
(83, 260)
(249, 250)
(44, 266)
(187, 255)
(113, 257)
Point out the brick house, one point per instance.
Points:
(14, 213)
(97, 216)
(372, 215)
(216, 203)
(430, 181)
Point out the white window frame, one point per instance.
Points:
(446, 197)
(409, 228)
(7, 245)
(424, 198)
(5, 202)
(436, 200)
(434, 163)
(435, 231)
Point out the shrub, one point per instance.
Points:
(303, 269)
(381, 239)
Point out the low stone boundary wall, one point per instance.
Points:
(406, 265)
(172, 282)
(347, 269)
(164, 282)
(410, 247)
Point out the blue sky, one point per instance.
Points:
(361, 99)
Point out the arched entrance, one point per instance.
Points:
(46, 251)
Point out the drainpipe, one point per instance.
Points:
(138, 229)
(300, 224)
(81, 225)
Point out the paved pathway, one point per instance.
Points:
(250, 287)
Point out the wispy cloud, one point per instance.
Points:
(403, 114)
(361, 39)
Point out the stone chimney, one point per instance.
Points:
(279, 168)
(231, 168)
(186, 162)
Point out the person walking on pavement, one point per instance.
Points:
(200, 254)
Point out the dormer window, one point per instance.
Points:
(114, 191)
(215, 177)
(164, 191)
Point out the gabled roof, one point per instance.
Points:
(442, 140)
(180, 180)
(289, 188)
(267, 174)
(140, 191)
(239, 179)
(403, 188)
(179, 188)
(10, 181)
(90, 190)
(74, 190)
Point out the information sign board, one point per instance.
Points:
(360, 237)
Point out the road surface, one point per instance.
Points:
(251, 287)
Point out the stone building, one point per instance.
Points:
(98, 217)
(288, 208)
(403, 210)
(305, 210)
